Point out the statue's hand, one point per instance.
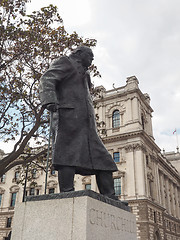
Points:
(52, 107)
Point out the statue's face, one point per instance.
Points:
(86, 57)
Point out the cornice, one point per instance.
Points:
(156, 151)
(146, 142)
(124, 93)
(120, 136)
(133, 134)
(7, 213)
(135, 147)
(168, 167)
(167, 216)
(155, 204)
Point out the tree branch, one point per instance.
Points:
(15, 154)
(22, 162)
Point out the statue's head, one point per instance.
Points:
(85, 54)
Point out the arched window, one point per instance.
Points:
(116, 119)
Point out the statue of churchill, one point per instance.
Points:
(77, 148)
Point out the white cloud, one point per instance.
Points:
(7, 147)
(74, 13)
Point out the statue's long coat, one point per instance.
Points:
(76, 142)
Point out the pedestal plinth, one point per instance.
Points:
(81, 215)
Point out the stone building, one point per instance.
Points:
(174, 158)
(146, 178)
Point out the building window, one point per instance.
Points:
(8, 237)
(9, 221)
(117, 186)
(16, 175)
(0, 199)
(34, 173)
(151, 189)
(53, 172)
(32, 191)
(2, 179)
(116, 119)
(88, 186)
(156, 236)
(155, 217)
(51, 190)
(116, 157)
(13, 199)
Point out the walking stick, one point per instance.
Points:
(47, 164)
(24, 191)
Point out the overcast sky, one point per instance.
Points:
(134, 37)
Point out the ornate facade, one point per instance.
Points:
(148, 179)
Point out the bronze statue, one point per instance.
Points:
(77, 148)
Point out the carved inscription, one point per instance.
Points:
(111, 221)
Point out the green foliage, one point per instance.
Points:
(28, 44)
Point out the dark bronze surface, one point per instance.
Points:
(65, 90)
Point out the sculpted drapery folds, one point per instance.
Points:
(77, 148)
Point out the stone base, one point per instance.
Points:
(81, 215)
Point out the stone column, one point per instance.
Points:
(93, 183)
(131, 182)
(139, 170)
(174, 200)
(149, 125)
(145, 173)
(157, 182)
(135, 109)
(171, 197)
(167, 191)
(123, 187)
(152, 178)
(177, 203)
(109, 121)
(129, 111)
(162, 197)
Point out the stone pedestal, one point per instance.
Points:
(81, 215)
